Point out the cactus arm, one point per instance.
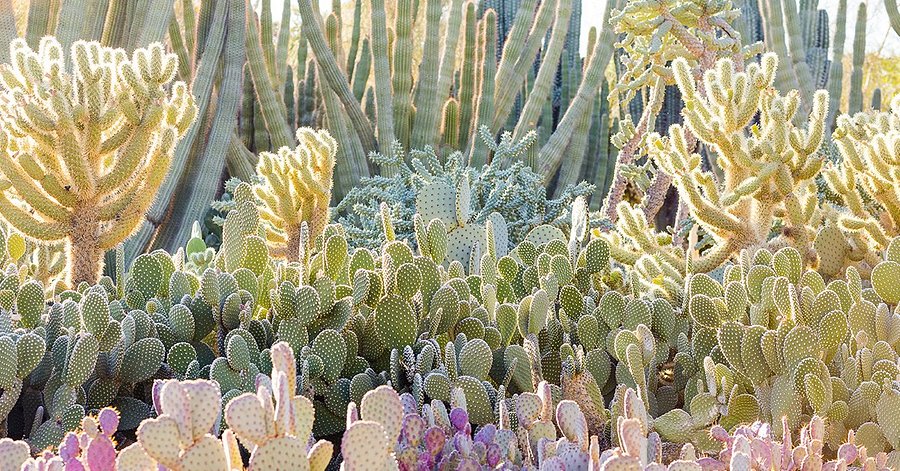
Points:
(362, 70)
(402, 76)
(188, 16)
(506, 95)
(776, 39)
(335, 78)
(467, 77)
(382, 66)
(157, 16)
(478, 155)
(798, 51)
(28, 224)
(551, 153)
(433, 83)
(546, 75)
(270, 104)
(38, 16)
(351, 163)
(836, 71)
(180, 49)
(201, 181)
(893, 14)
(571, 172)
(238, 160)
(284, 36)
(354, 38)
(30, 192)
(512, 49)
(266, 35)
(426, 95)
(855, 104)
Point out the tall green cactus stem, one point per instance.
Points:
(295, 189)
(89, 184)
(467, 80)
(551, 153)
(777, 40)
(383, 100)
(433, 84)
(836, 71)
(798, 51)
(513, 70)
(484, 112)
(546, 75)
(893, 14)
(334, 77)
(855, 105)
(203, 171)
(8, 28)
(402, 77)
(262, 72)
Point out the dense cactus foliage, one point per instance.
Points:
(458, 255)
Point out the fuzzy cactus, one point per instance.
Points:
(295, 188)
(85, 150)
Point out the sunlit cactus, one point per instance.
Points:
(85, 150)
(295, 188)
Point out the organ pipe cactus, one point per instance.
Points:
(85, 150)
(295, 188)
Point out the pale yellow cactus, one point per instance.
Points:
(83, 152)
(767, 166)
(868, 179)
(295, 187)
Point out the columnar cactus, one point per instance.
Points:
(295, 188)
(84, 151)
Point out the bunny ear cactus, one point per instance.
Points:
(180, 437)
(276, 424)
(295, 187)
(86, 150)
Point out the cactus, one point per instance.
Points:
(97, 197)
(295, 188)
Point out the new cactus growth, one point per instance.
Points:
(86, 149)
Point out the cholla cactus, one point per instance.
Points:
(867, 179)
(85, 151)
(768, 167)
(296, 188)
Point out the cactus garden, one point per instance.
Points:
(449, 235)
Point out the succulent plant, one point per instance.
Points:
(88, 184)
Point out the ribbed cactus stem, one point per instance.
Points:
(334, 77)
(855, 104)
(552, 152)
(467, 80)
(506, 95)
(402, 71)
(361, 70)
(547, 72)
(354, 38)
(893, 14)
(382, 70)
(478, 155)
(432, 91)
(798, 50)
(836, 72)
